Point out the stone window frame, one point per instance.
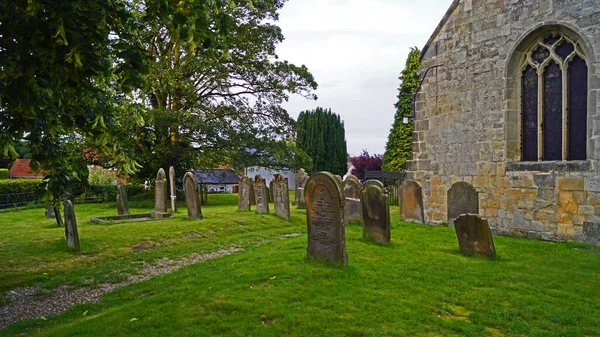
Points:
(517, 60)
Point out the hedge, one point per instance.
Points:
(19, 186)
(3, 174)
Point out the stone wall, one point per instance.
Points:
(468, 116)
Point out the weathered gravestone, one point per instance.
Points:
(71, 226)
(244, 194)
(301, 201)
(271, 191)
(160, 192)
(298, 193)
(591, 233)
(49, 211)
(281, 196)
(352, 210)
(474, 235)
(252, 195)
(375, 213)
(339, 178)
(173, 189)
(373, 182)
(192, 199)
(462, 199)
(261, 195)
(122, 204)
(410, 200)
(325, 219)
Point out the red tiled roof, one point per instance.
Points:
(21, 169)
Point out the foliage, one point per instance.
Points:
(22, 151)
(15, 186)
(101, 176)
(398, 148)
(366, 162)
(321, 135)
(3, 174)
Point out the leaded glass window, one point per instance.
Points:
(554, 100)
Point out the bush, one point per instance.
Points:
(3, 174)
(19, 186)
(101, 176)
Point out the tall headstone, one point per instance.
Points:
(173, 189)
(301, 201)
(474, 235)
(281, 196)
(261, 195)
(71, 226)
(252, 195)
(192, 199)
(244, 194)
(50, 211)
(410, 200)
(160, 191)
(325, 219)
(375, 213)
(299, 193)
(462, 199)
(122, 204)
(352, 209)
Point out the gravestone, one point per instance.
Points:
(299, 193)
(374, 182)
(339, 178)
(591, 233)
(352, 210)
(281, 196)
(160, 191)
(462, 199)
(71, 226)
(122, 204)
(244, 194)
(261, 195)
(203, 195)
(410, 201)
(375, 213)
(301, 189)
(192, 199)
(59, 220)
(252, 195)
(325, 219)
(474, 235)
(50, 211)
(173, 189)
(271, 192)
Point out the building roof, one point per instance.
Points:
(20, 169)
(439, 27)
(217, 176)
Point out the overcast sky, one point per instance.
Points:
(356, 50)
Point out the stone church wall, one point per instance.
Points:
(467, 117)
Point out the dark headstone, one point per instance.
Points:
(244, 194)
(192, 199)
(281, 196)
(591, 233)
(325, 219)
(462, 199)
(160, 192)
(271, 192)
(299, 193)
(122, 204)
(173, 189)
(252, 195)
(375, 213)
(410, 200)
(71, 226)
(261, 195)
(50, 211)
(301, 202)
(352, 209)
(474, 235)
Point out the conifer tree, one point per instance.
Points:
(399, 144)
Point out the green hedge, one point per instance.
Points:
(19, 186)
(3, 174)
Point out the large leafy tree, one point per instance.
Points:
(321, 135)
(399, 144)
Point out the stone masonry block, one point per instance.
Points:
(570, 183)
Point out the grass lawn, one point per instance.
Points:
(420, 285)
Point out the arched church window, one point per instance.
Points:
(554, 86)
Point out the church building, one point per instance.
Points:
(509, 105)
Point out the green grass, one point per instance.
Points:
(420, 285)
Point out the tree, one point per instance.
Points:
(399, 144)
(365, 162)
(321, 135)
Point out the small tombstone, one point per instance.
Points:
(301, 201)
(160, 191)
(50, 211)
(299, 193)
(71, 226)
(252, 195)
(173, 189)
(375, 213)
(281, 196)
(203, 195)
(192, 199)
(352, 210)
(462, 199)
(410, 200)
(244, 194)
(474, 235)
(325, 219)
(261, 195)
(122, 204)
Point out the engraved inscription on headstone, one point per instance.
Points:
(192, 199)
(474, 235)
(462, 199)
(281, 196)
(244, 194)
(410, 200)
(352, 209)
(325, 219)
(71, 226)
(261, 195)
(375, 213)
